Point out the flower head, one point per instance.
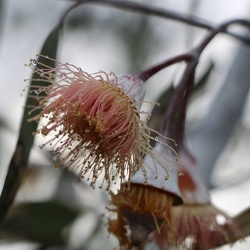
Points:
(95, 120)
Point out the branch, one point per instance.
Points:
(154, 11)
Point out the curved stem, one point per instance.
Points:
(220, 29)
(174, 123)
(66, 12)
(149, 72)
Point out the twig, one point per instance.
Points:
(159, 12)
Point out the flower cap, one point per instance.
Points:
(165, 179)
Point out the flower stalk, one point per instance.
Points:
(197, 223)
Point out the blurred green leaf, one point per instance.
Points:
(41, 222)
(49, 49)
(25, 141)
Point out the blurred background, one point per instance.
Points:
(53, 210)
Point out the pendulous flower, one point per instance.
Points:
(202, 226)
(146, 206)
(94, 120)
(198, 224)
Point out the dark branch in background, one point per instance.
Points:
(154, 11)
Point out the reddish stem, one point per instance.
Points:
(174, 122)
(149, 72)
